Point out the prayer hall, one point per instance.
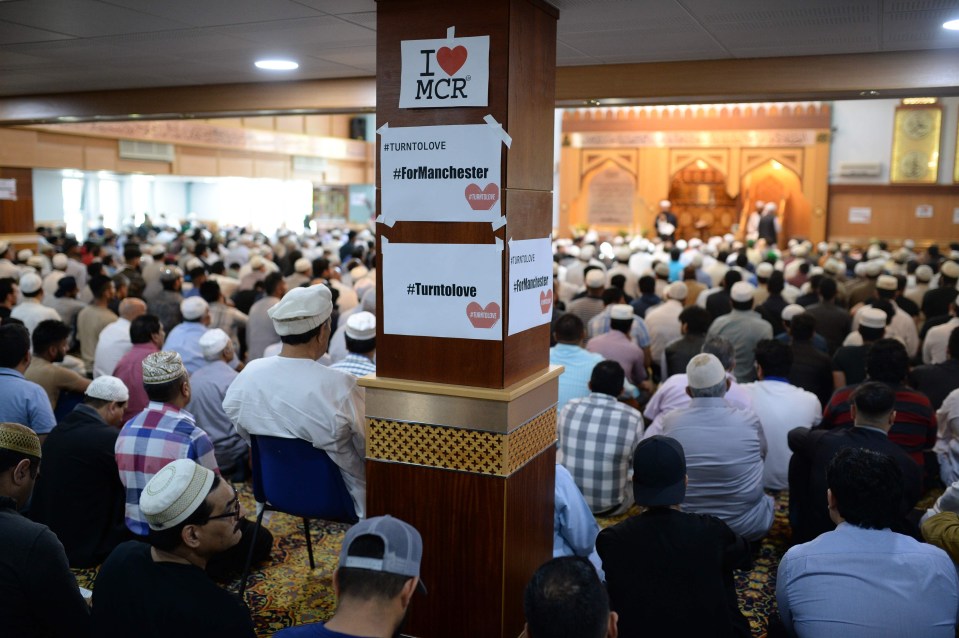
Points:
(523, 318)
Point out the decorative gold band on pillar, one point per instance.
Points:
(453, 448)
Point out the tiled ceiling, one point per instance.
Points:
(53, 46)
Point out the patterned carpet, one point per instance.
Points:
(287, 593)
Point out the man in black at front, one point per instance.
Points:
(565, 599)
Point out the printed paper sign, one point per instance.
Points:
(530, 283)
(441, 173)
(8, 189)
(955, 215)
(448, 72)
(443, 290)
(860, 215)
(924, 211)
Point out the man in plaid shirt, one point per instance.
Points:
(597, 436)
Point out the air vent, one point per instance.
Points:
(860, 169)
(151, 151)
(306, 164)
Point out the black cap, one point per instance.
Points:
(659, 472)
(65, 285)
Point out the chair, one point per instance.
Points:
(292, 476)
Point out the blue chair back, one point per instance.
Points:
(292, 476)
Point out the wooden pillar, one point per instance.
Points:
(16, 215)
(461, 431)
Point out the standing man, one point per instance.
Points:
(313, 403)
(769, 225)
(666, 221)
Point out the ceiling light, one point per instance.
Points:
(276, 65)
(952, 25)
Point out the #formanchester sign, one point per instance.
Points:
(441, 173)
(448, 72)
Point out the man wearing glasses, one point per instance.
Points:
(160, 588)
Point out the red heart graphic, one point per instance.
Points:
(545, 301)
(482, 317)
(482, 199)
(452, 60)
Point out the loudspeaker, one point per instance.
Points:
(358, 128)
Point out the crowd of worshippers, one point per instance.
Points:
(701, 379)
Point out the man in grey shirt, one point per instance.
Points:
(744, 328)
(259, 326)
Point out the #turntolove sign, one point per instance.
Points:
(448, 72)
(443, 290)
(441, 173)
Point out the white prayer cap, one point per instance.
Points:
(257, 262)
(887, 282)
(815, 270)
(681, 244)
(622, 253)
(158, 250)
(35, 262)
(665, 203)
(24, 254)
(193, 308)
(833, 266)
(909, 243)
(949, 269)
(697, 261)
(572, 251)
(742, 292)
(170, 273)
(361, 326)
(924, 273)
(302, 310)
(30, 283)
(661, 268)
(822, 247)
(59, 261)
(212, 343)
(108, 388)
(587, 252)
(790, 294)
(792, 243)
(358, 273)
(874, 252)
(704, 371)
(621, 311)
(874, 268)
(770, 208)
(162, 367)
(870, 317)
(4, 247)
(695, 242)
(174, 493)
(302, 265)
(677, 290)
(791, 311)
(595, 278)
(764, 270)
(193, 262)
(860, 269)
(760, 203)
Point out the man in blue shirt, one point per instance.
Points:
(21, 401)
(577, 361)
(184, 339)
(862, 579)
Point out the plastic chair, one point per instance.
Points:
(292, 476)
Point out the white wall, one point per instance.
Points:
(47, 196)
(862, 132)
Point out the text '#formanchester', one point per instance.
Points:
(440, 290)
(527, 283)
(445, 172)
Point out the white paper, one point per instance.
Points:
(443, 290)
(8, 189)
(924, 211)
(860, 215)
(530, 283)
(446, 72)
(955, 215)
(441, 173)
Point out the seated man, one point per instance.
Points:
(80, 496)
(146, 336)
(670, 573)
(21, 401)
(597, 435)
(378, 574)
(873, 413)
(360, 336)
(577, 362)
(160, 588)
(574, 527)
(616, 344)
(39, 597)
(862, 579)
(566, 599)
(49, 348)
(184, 339)
(725, 448)
(293, 396)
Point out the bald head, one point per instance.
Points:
(131, 308)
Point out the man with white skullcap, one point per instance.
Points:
(302, 273)
(663, 321)
(158, 587)
(52, 278)
(39, 596)
(209, 385)
(666, 221)
(591, 304)
(184, 339)
(293, 396)
(361, 343)
(80, 496)
(7, 267)
(744, 328)
(31, 310)
(725, 448)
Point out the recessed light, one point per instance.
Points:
(276, 65)
(952, 25)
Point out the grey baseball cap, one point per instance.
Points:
(402, 547)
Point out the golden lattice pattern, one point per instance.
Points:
(457, 448)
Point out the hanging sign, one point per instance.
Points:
(443, 290)
(448, 72)
(441, 173)
(8, 189)
(530, 283)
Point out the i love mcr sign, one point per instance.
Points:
(448, 72)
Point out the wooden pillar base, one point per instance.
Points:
(473, 470)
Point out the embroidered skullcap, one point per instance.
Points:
(193, 308)
(212, 343)
(704, 371)
(595, 279)
(162, 367)
(30, 283)
(174, 493)
(302, 310)
(170, 273)
(60, 261)
(621, 312)
(302, 265)
(362, 326)
(19, 438)
(742, 291)
(108, 388)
